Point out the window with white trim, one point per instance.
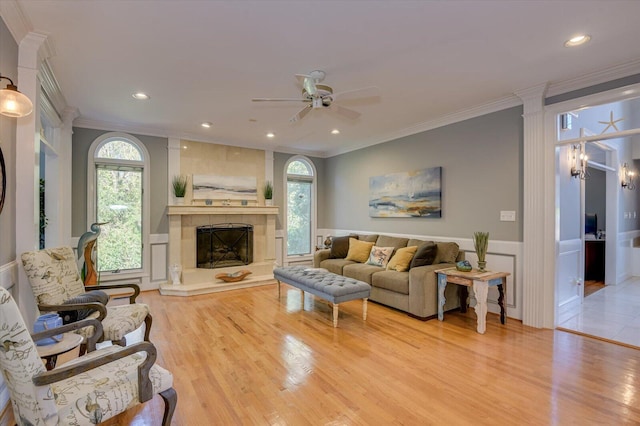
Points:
(300, 205)
(119, 175)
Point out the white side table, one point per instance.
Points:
(50, 353)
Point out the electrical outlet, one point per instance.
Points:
(507, 216)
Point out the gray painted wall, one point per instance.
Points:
(481, 162)
(9, 61)
(279, 161)
(157, 147)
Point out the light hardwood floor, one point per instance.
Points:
(244, 357)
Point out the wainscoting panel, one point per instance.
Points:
(628, 257)
(568, 282)
(159, 254)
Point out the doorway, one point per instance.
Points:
(596, 223)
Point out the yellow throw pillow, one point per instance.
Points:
(401, 260)
(359, 250)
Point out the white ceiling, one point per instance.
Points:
(205, 60)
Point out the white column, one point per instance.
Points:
(65, 175)
(535, 267)
(268, 166)
(173, 160)
(27, 166)
(175, 221)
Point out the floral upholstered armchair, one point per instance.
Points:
(56, 284)
(85, 391)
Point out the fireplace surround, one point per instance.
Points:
(183, 224)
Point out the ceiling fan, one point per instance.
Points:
(317, 95)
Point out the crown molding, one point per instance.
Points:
(17, 22)
(165, 133)
(593, 78)
(51, 88)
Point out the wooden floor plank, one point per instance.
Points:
(245, 357)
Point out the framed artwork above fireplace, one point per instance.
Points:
(211, 187)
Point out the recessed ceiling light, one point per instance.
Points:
(577, 40)
(207, 125)
(140, 96)
(335, 132)
(271, 135)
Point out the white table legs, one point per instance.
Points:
(481, 288)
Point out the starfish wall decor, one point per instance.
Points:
(611, 123)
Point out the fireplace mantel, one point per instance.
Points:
(225, 210)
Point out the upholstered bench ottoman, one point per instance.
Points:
(326, 285)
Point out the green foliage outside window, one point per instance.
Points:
(119, 202)
(299, 218)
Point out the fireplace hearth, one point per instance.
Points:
(224, 245)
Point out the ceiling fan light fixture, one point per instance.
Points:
(13, 103)
(271, 135)
(141, 96)
(207, 125)
(577, 40)
(335, 132)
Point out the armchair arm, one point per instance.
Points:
(145, 388)
(95, 306)
(91, 341)
(133, 286)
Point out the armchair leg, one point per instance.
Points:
(147, 327)
(170, 401)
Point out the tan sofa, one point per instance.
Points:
(414, 291)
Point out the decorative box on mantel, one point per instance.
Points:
(183, 221)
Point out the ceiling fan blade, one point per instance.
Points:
(279, 100)
(365, 92)
(300, 115)
(346, 112)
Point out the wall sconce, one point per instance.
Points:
(12, 102)
(579, 162)
(627, 178)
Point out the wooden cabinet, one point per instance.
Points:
(594, 260)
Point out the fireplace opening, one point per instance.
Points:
(223, 245)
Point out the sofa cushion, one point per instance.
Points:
(361, 271)
(402, 259)
(446, 252)
(335, 265)
(379, 256)
(397, 282)
(372, 238)
(358, 250)
(339, 247)
(425, 254)
(387, 241)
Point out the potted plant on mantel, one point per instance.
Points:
(179, 184)
(267, 190)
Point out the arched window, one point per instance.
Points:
(118, 170)
(301, 206)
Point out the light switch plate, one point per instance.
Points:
(507, 216)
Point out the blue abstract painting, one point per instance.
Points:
(410, 194)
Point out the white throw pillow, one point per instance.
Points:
(380, 256)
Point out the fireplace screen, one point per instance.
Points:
(223, 245)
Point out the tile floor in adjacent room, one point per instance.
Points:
(611, 313)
